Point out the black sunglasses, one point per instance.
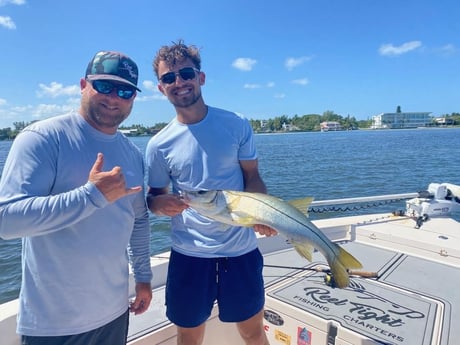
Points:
(106, 87)
(186, 73)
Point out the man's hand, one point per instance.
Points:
(265, 230)
(143, 298)
(166, 204)
(110, 183)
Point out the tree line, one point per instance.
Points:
(304, 123)
(307, 123)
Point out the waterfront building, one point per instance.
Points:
(327, 126)
(443, 121)
(401, 120)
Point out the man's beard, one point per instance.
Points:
(187, 102)
(107, 121)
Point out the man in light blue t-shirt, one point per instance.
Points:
(205, 148)
(72, 188)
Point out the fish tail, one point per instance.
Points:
(348, 260)
(304, 249)
(340, 265)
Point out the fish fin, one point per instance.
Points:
(304, 249)
(301, 204)
(339, 267)
(245, 221)
(232, 207)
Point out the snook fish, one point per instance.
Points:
(248, 209)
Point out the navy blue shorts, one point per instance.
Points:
(194, 284)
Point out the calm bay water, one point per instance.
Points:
(328, 165)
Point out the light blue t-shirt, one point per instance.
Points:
(203, 156)
(75, 244)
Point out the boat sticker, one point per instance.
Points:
(282, 337)
(273, 318)
(373, 309)
(303, 336)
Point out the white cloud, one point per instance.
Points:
(2, 101)
(280, 95)
(303, 81)
(244, 64)
(270, 84)
(7, 22)
(252, 86)
(291, 63)
(391, 50)
(12, 2)
(43, 111)
(33, 112)
(28, 113)
(149, 85)
(21, 109)
(448, 49)
(56, 90)
(149, 92)
(149, 97)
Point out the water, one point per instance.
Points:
(323, 165)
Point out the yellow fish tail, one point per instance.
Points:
(340, 265)
(348, 260)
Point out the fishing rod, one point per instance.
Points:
(363, 274)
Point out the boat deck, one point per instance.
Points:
(413, 301)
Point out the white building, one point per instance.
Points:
(401, 120)
(443, 121)
(129, 132)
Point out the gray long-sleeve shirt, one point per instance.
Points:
(75, 243)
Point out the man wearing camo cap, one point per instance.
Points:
(72, 189)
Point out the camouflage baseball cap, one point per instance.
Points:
(109, 65)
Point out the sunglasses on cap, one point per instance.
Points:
(186, 73)
(106, 87)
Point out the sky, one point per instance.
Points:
(261, 58)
